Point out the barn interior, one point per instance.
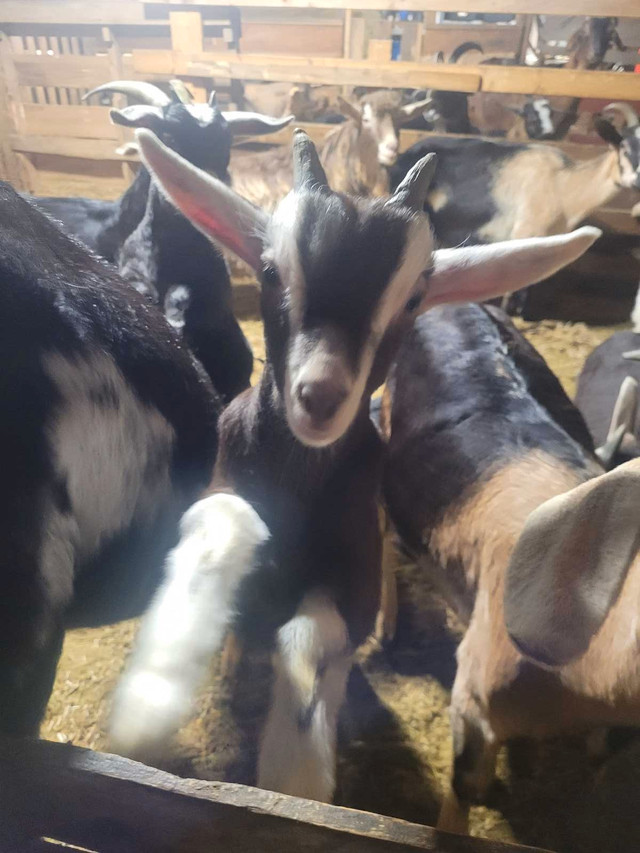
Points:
(477, 67)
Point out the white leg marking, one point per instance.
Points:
(312, 665)
(635, 314)
(186, 622)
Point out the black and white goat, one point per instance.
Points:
(342, 279)
(156, 248)
(485, 191)
(108, 433)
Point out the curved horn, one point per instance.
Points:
(627, 111)
(213, 99)
(412, 191)
(248, 123)
(181, 92)
(147, 93)
(307, 168)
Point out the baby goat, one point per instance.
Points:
(108, 433)
(481, 435)
(342, 279)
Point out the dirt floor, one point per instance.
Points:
(396, 747)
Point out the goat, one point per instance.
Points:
(485, 191)
(158, 250)
(355, 155)
(199, 132)
(612, 366)
(108, 433)
(481, 434)
(341, 280)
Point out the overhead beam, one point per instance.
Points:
(619, 8)
(418, 75)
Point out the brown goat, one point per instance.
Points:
(481, 436)
(355, 155)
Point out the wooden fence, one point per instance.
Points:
(51, 53)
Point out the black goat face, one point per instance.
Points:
(198, 132)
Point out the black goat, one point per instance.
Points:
(157, 249)
(108, 433)
(342, 278)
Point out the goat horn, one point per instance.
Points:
(213, 99)
(147, 93)
(627, 111)
(412, 191)
(608, 450)
(181, 92)
(632, 355)
(307, 168)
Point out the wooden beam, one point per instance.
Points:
(109, 803)
(418, 75)
(102, 13)
(9, 167)
(620, 8)
(186, 31)
(295, 69)
(69, 70)
(71, 121)
(66, 146)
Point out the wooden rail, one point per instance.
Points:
(111, 12)
(418, 75)
(58, 793)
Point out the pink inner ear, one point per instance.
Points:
(216, 228)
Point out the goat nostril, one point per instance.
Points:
(322, 399)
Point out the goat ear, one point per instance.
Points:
(607, 131)
(474, 273)
(409, 111)
(349, 110)
(569, 565)
(138, 115)
(209, 204)
(250, 124)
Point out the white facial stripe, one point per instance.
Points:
(544, 114)
(367, 112)
(417, 258)
(202, 113)
(283, 245)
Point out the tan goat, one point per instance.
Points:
(355, 155)
(481, 436)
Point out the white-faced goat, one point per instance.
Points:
(108, 433)
(356, 155)
(485, 191)
(158, 250)
(481, 435)
(342, 279)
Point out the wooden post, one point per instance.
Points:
(116, 73)
(9, 114)
(186, 31)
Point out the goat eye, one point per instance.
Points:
(413, 303)
(270, 276)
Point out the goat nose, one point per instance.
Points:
(321, 399)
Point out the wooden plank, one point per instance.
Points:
(110, 803)
(186, 31)
(306, 70)
(455, 78)
(9, 169)
(379, 51)
(620, 8)
(72, 121)
(287, 37)
(98, 12)
(88, 71)
(66, 146)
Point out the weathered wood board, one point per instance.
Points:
(105, 803)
